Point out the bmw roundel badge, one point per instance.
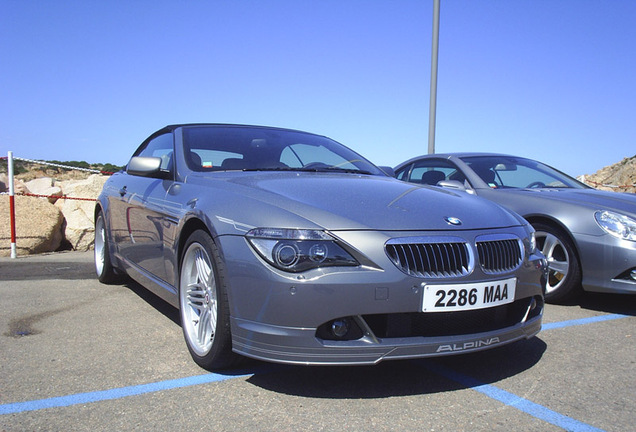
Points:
(453, 220)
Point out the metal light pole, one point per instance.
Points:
(433, 103)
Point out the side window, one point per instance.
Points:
(162, 147)
(403, 173)
(432, 171)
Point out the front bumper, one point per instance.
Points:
(300, 345)
(607, 263)
(282, 317)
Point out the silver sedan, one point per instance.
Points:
(588, 236)
(289, 247)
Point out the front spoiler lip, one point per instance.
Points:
(264, 343)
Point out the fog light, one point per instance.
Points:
(340, 327)
(632, 274)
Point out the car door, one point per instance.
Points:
(138, 216)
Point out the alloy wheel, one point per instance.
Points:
(198, 299)
(100, 242)
(558, 259)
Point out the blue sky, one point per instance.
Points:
(553, 80)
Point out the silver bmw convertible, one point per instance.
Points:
(288, 247)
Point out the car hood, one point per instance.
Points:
(591, 198)
(355, 202)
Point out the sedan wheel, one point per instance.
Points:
(203, 303)
(564, 273)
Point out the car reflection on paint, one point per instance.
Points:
(289, 247)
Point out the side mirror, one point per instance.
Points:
(452, 184)
(387, 170)
(144, 166)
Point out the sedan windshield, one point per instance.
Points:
(231, 148)
(514, 172)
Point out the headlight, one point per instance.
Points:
(616, 224)
(298, 250)
(532, 243)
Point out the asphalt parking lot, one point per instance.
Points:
(79, 355)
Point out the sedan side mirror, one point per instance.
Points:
(387, 170)
(452, 184)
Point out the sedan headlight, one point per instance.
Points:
(295, 250)
(532, 243)
(616, 224)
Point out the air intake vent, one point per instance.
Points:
(431, 257)
(499, 254)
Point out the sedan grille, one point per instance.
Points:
(431, 257)
(499, 255)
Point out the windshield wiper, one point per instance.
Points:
(270, 169)
(336, 169)
(317, 169)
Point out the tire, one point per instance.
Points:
(564, 271)
(203, 304)
(106, 272)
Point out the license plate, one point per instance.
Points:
(458, 297)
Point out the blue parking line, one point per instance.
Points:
(582, 321)
(491, 391)
(514, 401)
(117, 393)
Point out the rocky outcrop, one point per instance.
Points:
(44, 227)
(19, 186)
(45, 186)
(38, 226)
(620, 177)
(78, 213)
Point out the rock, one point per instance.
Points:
(44, 186)
(19, 187)
(39, 184)
(70, 217)
(620, 177)
(38, 226)
(80, 224)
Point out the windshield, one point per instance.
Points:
(514, 172)
(246, 148)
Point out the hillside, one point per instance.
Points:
(619, 177)
(27, 171)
